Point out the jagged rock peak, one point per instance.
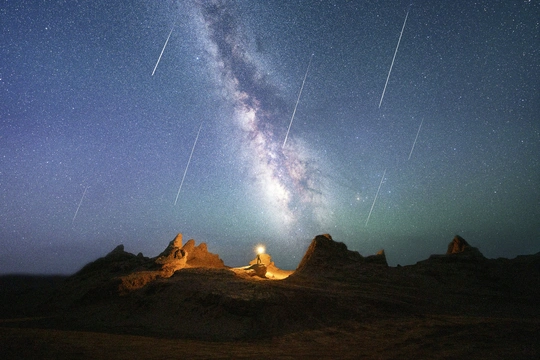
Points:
(325, 253)
(117, 250)
(173, 252)
(117, 261)
(176, 256)
(190, 245)
(119, 253)
(460, 246)
(177, 242)
(199, 256)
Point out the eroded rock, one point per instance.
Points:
(460, 246)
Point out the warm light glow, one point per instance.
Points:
(260, 249)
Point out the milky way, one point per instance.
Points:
(287, 179)
(81, 110)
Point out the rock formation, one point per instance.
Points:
(333, 287)
(173, 258)
(118, 261)
(176, 256)
(379, 258)
(198, 256)
(326, 256)
(123, 272)
(256, 270)
(262, 267)
(460, 246)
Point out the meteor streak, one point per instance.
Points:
(162, 50)
(187, 166)
(416, 138)
(80, 202)
(394, 58)
(377, 194)
(297, 101)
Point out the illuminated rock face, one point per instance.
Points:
(174, 257)
(177, 256)
(125, 272)
(257, 270)
(198, 256)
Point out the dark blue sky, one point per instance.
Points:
(81, 113)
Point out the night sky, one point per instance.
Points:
(93, 147)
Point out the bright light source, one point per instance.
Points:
(260, 249)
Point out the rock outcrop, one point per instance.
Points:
(173, 258)
(257, 270)
(177, 256)
(262, 267)
(332, 286)
(199, 256)
(459, 252)
(117, 262)
(328, 257)
(379, 258)
(460, 246)
(122, 272)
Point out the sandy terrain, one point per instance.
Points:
(434, 337)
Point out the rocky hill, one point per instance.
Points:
(187, 292)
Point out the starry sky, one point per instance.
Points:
(95, 140)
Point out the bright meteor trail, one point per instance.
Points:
(80, 202)
(297, 101)
(376, 195)
(187, 166)
(394, 58)
(416, 138)
(162, 50)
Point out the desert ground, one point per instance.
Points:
(186, 304)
